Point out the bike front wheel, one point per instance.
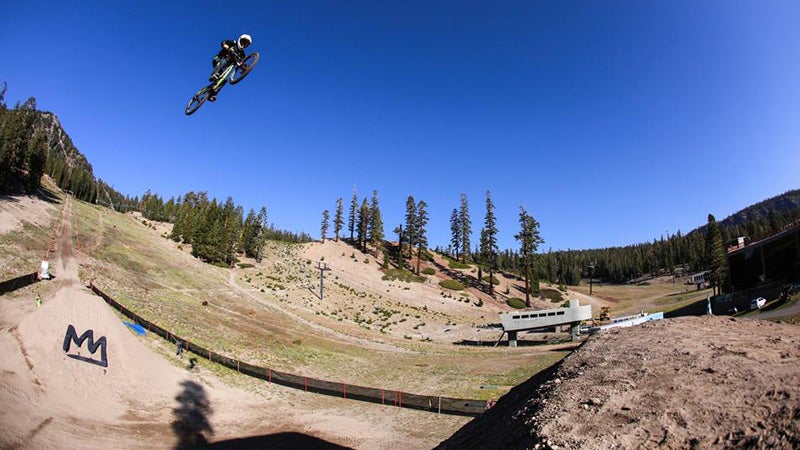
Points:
(241, 70)
(197, 101)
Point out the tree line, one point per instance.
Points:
(28, 151)
(32, 145)
(703, 249)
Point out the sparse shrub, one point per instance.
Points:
(429, 271)
(457, 264)
(516, 303)
(495, 281)
(453, 285)
(552, 295)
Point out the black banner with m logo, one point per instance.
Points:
(92, 345)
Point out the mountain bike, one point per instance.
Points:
(233, 73)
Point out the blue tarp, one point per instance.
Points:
(136, 327)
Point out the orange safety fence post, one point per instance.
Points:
(383, 397)
(305, 384)
(344, 388)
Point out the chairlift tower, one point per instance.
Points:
(322, 268)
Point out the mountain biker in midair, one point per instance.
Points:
(230, 52)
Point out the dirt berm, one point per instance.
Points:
(692, 382)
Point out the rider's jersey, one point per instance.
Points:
(232, 47)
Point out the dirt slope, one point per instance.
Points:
(707, 382)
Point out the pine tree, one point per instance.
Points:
(421, 223)
(363, 225)
(455, 232)
(490, 239)
(466, 227)
(338, 220)
(411, 225)
(352, 220)
(376, 225)
(718, 261)
(399, 231)
(324, 227)
(36, 158)
(529, 239)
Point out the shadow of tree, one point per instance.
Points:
(466, 280)
(191, 416)
(277, 441)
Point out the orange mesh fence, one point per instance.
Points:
(438, 404)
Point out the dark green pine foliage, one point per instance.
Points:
(16, 131)
(338, 219)
(352, 220)
(466, 227)
(411, 225)
(490, 239)
(455, 233)
(253, 234)
(376, 235)
(716, 256)
(421, 231)
(529, 239)
(363, 225)
(36, 161)
(323, 229)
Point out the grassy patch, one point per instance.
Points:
(552, 295)
(495, 281)
(516, 303)
(428, 271)
(402, 275)
(456, 264)
(453, 285)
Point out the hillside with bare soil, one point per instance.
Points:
(370, 327)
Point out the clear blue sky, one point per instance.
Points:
(613, 122)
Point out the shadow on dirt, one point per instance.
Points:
(277, 441)
(191, 422)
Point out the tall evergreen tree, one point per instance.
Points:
(325, 223)
(36, 158)
(455, 232)
(352, 221)
(376, 225)
(338, 220)
(399, 230)
(718, 261)
(421, 232)
(529, 239)
(411, 224)
(490, 239)
(363, 225)
(466, 227)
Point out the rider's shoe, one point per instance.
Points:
(212, 98)
(214, 77)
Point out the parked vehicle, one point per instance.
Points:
(757, 303)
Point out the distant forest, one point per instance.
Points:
(33, 144)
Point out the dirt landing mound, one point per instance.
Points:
(705, 382)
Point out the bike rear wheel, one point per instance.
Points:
(197, 101)
(241, 71)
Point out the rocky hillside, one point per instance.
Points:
(693, 382)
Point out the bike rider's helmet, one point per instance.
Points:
(244, 40)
